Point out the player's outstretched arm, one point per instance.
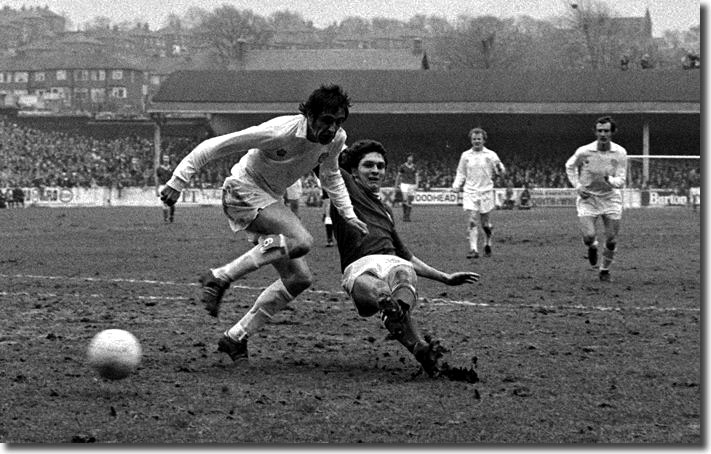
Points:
(458, 278)
(461, 277)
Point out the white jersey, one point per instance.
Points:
(277, 155)
(476, 170)
(588, 168)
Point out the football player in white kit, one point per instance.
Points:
(272, 156)
(475, 173)
(598, 172)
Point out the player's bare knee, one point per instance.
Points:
(402, 281)
(300, 245)
(298, 282)
(589, 240)
(366, 307)
(366, 293)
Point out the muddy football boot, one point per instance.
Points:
(487, 250)
(473, 254)
(428, 354)
(605, 276)
(212, 291)
(236, 349)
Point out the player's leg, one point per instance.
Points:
(280, 235)
(612, 228)
(587, 227)
(588, 212)
(487, 206)
(410, 200)
(369, 294)
(405, 190)
(295, 277)
(389, 288)
(473, 218)
(327, 221)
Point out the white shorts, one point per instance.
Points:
(480, 202)
(242, 200)
(408, 190)
(381, 266)
(594, 206)
(295, 191)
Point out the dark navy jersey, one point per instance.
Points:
(164, 173)
(408, 174)
(382, 238)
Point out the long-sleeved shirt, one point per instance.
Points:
(476, 170)
(382, 238)
(277, 154)
(589, 166)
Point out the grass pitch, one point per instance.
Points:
(562, 357)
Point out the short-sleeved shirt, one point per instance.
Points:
(382, 238)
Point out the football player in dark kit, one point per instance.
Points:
(379, 272)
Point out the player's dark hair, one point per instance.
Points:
(325, 98)
(478, 130)
(607, 119)
(350, 157)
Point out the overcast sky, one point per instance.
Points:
(666, 14)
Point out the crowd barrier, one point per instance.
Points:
(148, 196)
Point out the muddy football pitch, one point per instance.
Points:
(561, 357)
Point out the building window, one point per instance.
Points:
(39, 77)
(116, 74)
(81, 74)
(99, 74)
(98, 95)
(118, 92)
(21, 76)
(61, 75)
(81, 94)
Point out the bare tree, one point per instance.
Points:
(97, 23)
(227, 29)
(591, 20)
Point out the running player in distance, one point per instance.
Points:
(475, 174)
(598, 172)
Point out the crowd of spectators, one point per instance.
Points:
(38, 158)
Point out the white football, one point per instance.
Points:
(114, 353)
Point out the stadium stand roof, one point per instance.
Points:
(331, 59)
(431, 92)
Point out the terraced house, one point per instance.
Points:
(75, 82)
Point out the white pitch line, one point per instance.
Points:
(136, 281)
(431, 301)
